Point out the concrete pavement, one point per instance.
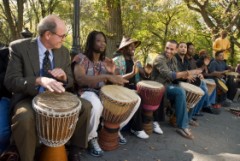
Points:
(216, 139)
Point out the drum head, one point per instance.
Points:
(191, 88)
(222, 85)
(119, 93)
(150, 84)
(235, 74)
(58, 102)
(209, 82)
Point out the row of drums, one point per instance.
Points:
(57, 114)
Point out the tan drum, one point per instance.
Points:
(193, 94)
(118, 103)
(151, 94)
(211, 85)
(56, 118)
(222, 86)
(235, 74)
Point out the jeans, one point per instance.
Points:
(5, 129)
(199, 105)
(177, 96)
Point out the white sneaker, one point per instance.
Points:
(140, 134)
(156, 128)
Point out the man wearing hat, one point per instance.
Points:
(133, 71)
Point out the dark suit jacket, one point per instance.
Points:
(24, 68)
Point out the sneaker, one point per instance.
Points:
(94, 148)
(122, 140)
(156, 128)
(140, 134)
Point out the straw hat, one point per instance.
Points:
(127, 41)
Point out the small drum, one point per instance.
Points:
(56, 118)
(151, 93)
(235, 74)
(118, 103)
(193, 94)
(221, 85)
(211, 85)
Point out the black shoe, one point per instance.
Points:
(198, 114)
(74, 156)
(207, 110)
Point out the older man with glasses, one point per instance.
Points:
(37, 65)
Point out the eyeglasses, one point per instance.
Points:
(61, 36)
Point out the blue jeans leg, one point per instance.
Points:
(178, 96)
(202, 101)
(5, 129)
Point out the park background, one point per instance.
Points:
(153, 22)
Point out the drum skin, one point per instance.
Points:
(211, 86)
(56, 117)
(221, 85)
(193, 94)
(151, 93)
(118, 102)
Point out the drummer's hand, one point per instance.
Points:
(200, 76)
(50, 84)
(191, 78)
(117, 79)
(135, 68)
(109, 65)
(59, 74)
(195, 71)
(148, 69)
(225, 71)
(219, 75)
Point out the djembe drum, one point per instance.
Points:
(118, 102)
(222, 88)
(234, 74)
(56, 118)
(151, 93)
(211, 85)
(193, 94)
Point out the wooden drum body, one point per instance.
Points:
(118, 102)
(193, 94)
(56, 119)
(151, 93)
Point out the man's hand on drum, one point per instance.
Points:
(110, 65)
(200, 76)
(135, 69)
(59, 74)
(117, 79)
(50, 84)
(191, 78)
(148, 69)
(195, 71)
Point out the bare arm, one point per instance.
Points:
(92, 81)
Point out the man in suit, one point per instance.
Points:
(25, 77)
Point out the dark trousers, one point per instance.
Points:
(24, 132)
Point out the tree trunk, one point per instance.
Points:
(114, 26)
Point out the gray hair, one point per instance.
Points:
(48, 23)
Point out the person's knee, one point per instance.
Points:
(24, 118)
(86, 106)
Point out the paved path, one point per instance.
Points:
(216, 135)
